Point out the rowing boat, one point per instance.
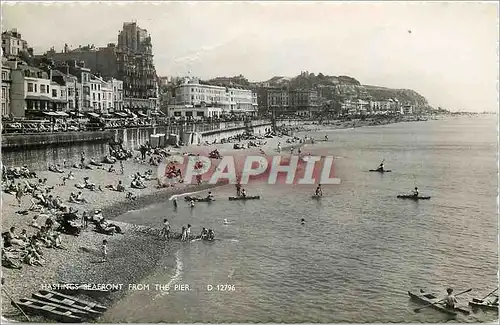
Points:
(430, 299)
(412, 197)
(244, 198)
(198, 199)
(380, 171)
(317, 197)
(484, 304)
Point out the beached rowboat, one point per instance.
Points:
(73, 302)
(244, 198)
(483, 304)
(429, 299)
(51, 311)
(412, 197)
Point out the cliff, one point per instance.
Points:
(342, 87)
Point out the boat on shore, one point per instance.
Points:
(413, 197)
(244, 198)
(380, 171)
(431, 300)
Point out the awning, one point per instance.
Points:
(32, 97)
(120, 114)
(50, 113)
(76, 114)
(93, 114)
(141, 114)
(62, 114)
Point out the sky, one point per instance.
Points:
(448, 52)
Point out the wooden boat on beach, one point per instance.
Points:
(48, 310)
(244, 198)
(431, 300)
(59, 298)
(490, 305)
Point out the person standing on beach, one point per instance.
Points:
(188, 232)
(85, 220)
(166, 229)
(121, 167)
(82, 158)
(19, 194)
(104, 250)
(183, 232)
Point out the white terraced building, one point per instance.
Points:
(209, 100)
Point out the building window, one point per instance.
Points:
(93, 96)
(4, 75)
(36, 88)
(54, 92)
(99, 96)
(4, 109)
(4, 93)
(70, 92)
(99, 86)
(62, 93)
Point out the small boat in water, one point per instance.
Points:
(244, 198)
(413, 197)
(491, 304)
(380, 171)
(431, 300)
(198, 199)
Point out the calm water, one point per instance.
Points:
(361, 249)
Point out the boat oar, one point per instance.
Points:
(15, 304)
(458, 294)
(489, 294)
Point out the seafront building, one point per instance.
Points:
(193, 99)
(130, 61)
(13, 44)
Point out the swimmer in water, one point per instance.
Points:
(192, 204)
(226, 222)
(303, 221)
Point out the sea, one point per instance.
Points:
(361, 249)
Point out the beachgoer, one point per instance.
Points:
(192, 203)
(204, 233)
(210, 196)
(243, 193)
(188, 231)
(303, 221)
(121, 167)
(415, 191)
(226, 222)
(450, 300)
(183, 232)
(381, 167)
(319, 191)
(175, 202)
(166, 229)
(104, 250)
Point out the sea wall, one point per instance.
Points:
(38, 150)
